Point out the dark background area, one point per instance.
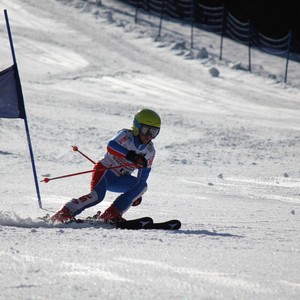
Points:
(272, 18)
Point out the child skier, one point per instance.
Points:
(129, 149)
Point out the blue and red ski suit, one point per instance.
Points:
(120, 180)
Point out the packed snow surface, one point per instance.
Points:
(227, 163)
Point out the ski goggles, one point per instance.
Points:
(150, 131)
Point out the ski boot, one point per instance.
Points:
(63, 215)
(111, 215)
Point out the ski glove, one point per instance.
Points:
(138, 159)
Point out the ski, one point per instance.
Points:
(167, 225)
(133, 224)
(136, 224)
(141, 223)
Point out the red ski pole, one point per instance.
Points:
(46, 179)
(75, 148)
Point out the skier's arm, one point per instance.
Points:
(143, 174)
(116, 149)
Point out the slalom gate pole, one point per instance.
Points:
(75, 148)
(20, 94)
(46, 179)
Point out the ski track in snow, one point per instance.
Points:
(227, 160)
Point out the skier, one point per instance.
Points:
(131, 149)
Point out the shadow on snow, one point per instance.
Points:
(209, 233)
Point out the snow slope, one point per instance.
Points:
(227, 161)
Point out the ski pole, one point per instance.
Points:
(75, 148)
(47, 179)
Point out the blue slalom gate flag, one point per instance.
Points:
(11, 99)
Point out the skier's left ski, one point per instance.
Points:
(134, 224)
(141, 223)
(167, 225)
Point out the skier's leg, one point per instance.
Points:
(76, 206)
(123, 202)
(123, 184)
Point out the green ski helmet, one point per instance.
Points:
(149, 118)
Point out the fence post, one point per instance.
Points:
(192, 23)
(161, 17)
(136, 11)
(288, 56)
(249, 45)
(223, 31)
